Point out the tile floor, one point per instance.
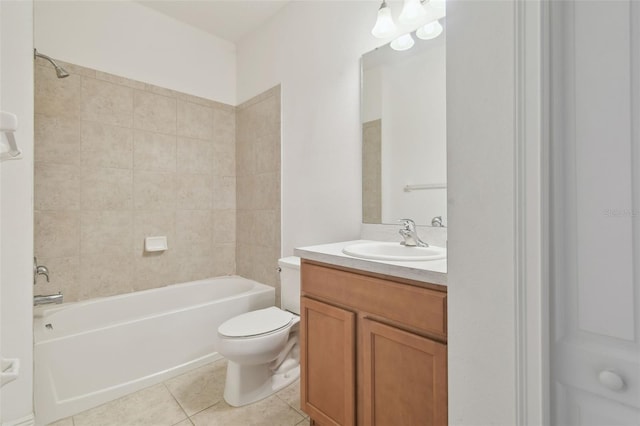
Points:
(193, 399)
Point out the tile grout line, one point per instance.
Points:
(177, 402)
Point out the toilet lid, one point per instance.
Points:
(255, 322)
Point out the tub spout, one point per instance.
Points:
(46, 299)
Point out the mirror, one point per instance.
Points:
(404, 141)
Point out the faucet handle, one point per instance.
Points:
(408, 224)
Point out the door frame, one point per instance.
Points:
(531, 186)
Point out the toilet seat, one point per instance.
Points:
(255, 323)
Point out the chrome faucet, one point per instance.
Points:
(408, 232)
(46, 299)
(39, 270)
(437, 222)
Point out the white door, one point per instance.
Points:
(595, 212)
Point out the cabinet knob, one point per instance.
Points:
(611, 380)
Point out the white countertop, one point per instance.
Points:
(430, 271)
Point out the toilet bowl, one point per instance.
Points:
(262, 346)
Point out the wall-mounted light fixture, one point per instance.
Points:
(384, 27)
(417, 15)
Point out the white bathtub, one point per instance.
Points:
(91, 352)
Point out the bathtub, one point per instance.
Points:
(90, 352)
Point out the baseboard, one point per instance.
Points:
(24, 421)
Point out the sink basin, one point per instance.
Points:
(376, 250)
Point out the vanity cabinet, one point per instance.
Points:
(373, 348)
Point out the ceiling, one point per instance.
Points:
(227, 19)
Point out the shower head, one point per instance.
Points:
(60, 72)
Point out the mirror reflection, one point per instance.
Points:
(403, 113)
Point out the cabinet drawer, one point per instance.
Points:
(418, 308)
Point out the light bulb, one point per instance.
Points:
(384, 26)
(404, 42)
(429, 31)
(412, 12)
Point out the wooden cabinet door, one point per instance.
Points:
(404, 377)
(327, 361)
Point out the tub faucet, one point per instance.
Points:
(408, 232)
(47, 299)
(39, 270)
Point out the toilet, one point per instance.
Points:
(262, 346)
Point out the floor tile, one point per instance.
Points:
(291, 395)
(153, 406)
(63, 422)
(268, 412)
(185, 422)
(200, 388)
(305, 422)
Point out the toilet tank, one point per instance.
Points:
(290, 284)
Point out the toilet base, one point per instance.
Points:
(246, 384)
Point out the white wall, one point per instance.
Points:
(481, 235)
(16, 195)
(133, 41)
(313, 49)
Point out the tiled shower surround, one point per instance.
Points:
(118, 160)
(258, 190)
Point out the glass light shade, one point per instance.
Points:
(438, 4)
(412, 12)
(404, 42)
(429, 31)
(384, 26)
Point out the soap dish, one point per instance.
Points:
(155, 244)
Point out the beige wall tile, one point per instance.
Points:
(224, 226)
(58, 97)
(106, 275)
(267, 153)
(194, 155)
(104, 145)
(194, 191)
(63, 277)
(56, 186)
(195, 100)
(194, 233)
(154, 191)
(264, 230)
(111, 78)
(245, 159)
(224, 259)
(194, 268)
(106, 232)
(153, 224)
(224, 126)
(224, 159)
(106, 189)
(57, 234)
(195, 121)
(153, 270)
(155, 113)
(57, 139)
(245, 224)
(154, 151)
(224, 192)
(161, 91)
(107, 102)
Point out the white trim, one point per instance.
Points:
(24, 421)
(530, 220)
